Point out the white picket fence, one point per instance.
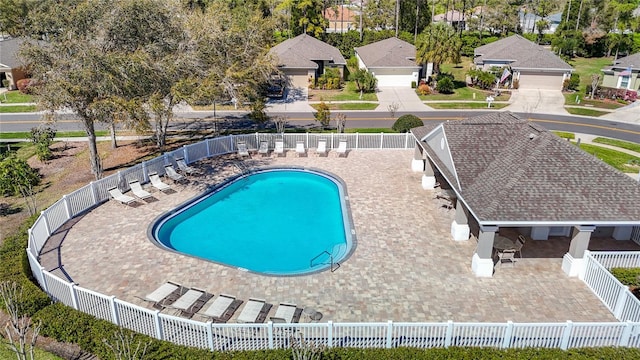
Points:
(223, 337)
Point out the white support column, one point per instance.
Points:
(482, 261)
(428, 176)
(622, 232)
(540, 233)
(417, 163)
(573, 261)
(460, 225)
(330, 334)
(158, 323)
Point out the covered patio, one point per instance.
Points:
(506, 176)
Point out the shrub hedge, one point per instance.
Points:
(627, 276)
(406, 123)
(68, 325)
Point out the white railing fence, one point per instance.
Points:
(222, 337)
(613, 294)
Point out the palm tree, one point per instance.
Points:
(437, 44)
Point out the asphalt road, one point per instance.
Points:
(355, 119)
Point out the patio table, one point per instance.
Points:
(503, 243)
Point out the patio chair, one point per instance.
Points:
(519, 244)
(279, 148)
(242, 149)
(116, 194)
(508, 255)
(300, 150)
(165, 295)
(222, 308)
(158, 184)
(290, 313)
(263, 149)
(254, 311)
(173, 174)
(342, 148)
(182, 165)
(138, 191)
(322, 147)
(191, 302)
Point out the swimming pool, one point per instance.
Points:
(290, 221)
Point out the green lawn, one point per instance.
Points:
(15, 96)
(466, 93)
(570, 99)
(618, 143)
(348, 93)
(348, 106)
(17, 108)
(468, 105)
(585, 112)
(619, 160)
(585, 67)
(459, 71)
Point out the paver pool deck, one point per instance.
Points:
(405, 266)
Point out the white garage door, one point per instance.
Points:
(298, 78)
(395, 80)
(540, 81)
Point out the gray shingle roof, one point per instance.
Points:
(302, 50)
(632, 61)
(8, 51)
(512, 170)
(521, 53)
(391, 52)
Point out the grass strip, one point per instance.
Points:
(468, 105)
(585, 112)
(17, 108)
(618, 143)
(622, 161)
(565, 135)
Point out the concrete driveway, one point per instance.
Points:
(405, 98)
(537, 101)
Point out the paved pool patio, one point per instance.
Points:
(405, 267)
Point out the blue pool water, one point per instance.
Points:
(273, 222)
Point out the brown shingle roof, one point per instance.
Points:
(391, 52)
(512, 170)
(8, 51)
(632, 61)
(521, 53)
(301, 52)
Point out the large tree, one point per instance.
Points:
(438, 43)
(98, 51)
(303, 16)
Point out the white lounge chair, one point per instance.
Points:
(116, 194)
(171, 173)
(222, 308)
(182, 165)
(263, 148)
(157, 183)
(191, 302)
(254, 311)
(300, 150)
(279, 148)
(242, 149)
(342, 148)
(322, 147)
(288, 312)
(138, 191)
(166, 294)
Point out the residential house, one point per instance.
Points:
(529, 22)
(341, 19)
(11, 69)
(531, 66)
(510, 174)
(623, 74)
(392, 61)
(304, 58)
